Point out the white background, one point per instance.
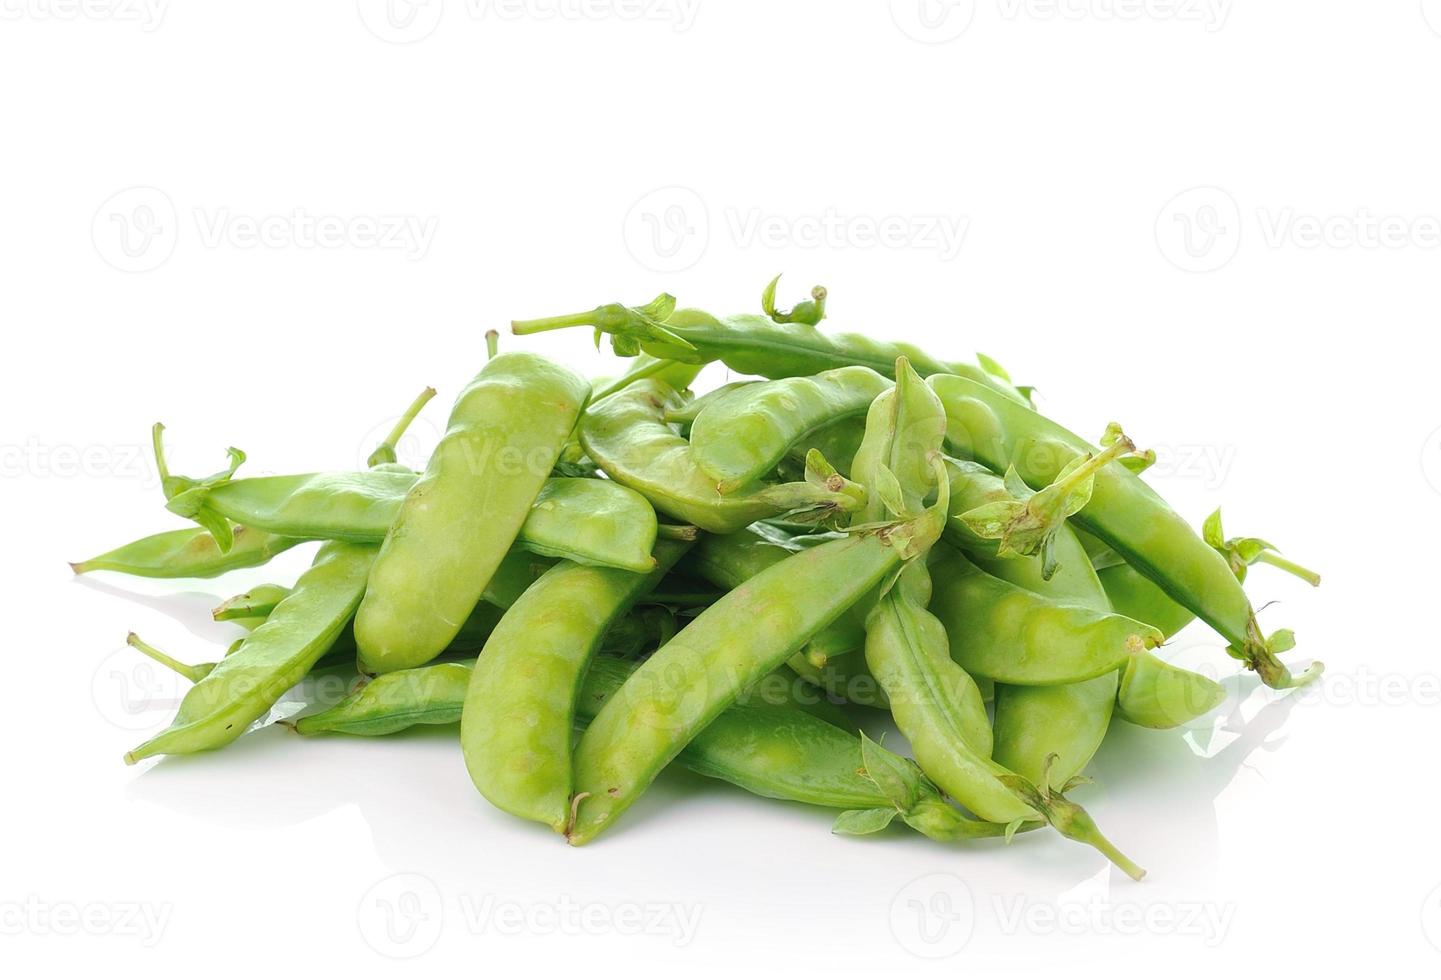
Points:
(1273, 334)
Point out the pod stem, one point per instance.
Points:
(1070, 819)
(628, 326)
(385, 452)
(492, 344)
(194, 673)
(1269, 557)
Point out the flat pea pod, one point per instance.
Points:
(725, 650)
(684, 415)
(752, 343)
(1155, 694)
(505, 434)
(516, 730)
(271, 660)
(594, 522)
(190, 552)
(250, 609)
(740, 438)
(1014, 636)
(627, 436)
(1122, 511)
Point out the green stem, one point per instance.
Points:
(677, 532)
(191, 672)
(1286, 565)
(385, 452)
(492, 343)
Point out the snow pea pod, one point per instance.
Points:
(457, 523)
(271, 660)
(628, 438)
(741, 437)
(593, 522)
(770, 749)
(684, 415)
(249, 609)
(1155, 694)
(1014, 636)
(752, 343)
(1123, 512)
(190, 552)
(723, 651)
(516, 730)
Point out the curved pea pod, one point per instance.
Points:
(1065, 723)
(752, 343)
(249, 609)
(1122, 511)
(273, 659)
(190, 552)
(740, 438)
(1014, 636)
(589, 521)
(429, 695)
(505, 434)
(724, 651)
(728, 560)
(1155, 694)
(628, 438)
(516, 729)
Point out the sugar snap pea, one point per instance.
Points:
(281, 651)
(751, 343)
(773, 750)
(189, 552)
(516, 730)
(1014, 636)
(505, 434)
(1123, 512)
(627, 436)
(723, 651)
(741, 437)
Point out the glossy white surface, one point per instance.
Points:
(528, 159)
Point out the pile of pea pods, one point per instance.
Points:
(596, 579)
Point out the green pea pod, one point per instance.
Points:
(273, 659)
(740, 438)
(1155, 694)
(1121, 510)
(593, 522)
(627, 436)
(516, 729)
(837, 442)
(751, 343)
(728, 560)
(724, 651)
(190, 552)
(774, 750)
(250, 609)
(504, 435)
(684, 415)
(1014, 636)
